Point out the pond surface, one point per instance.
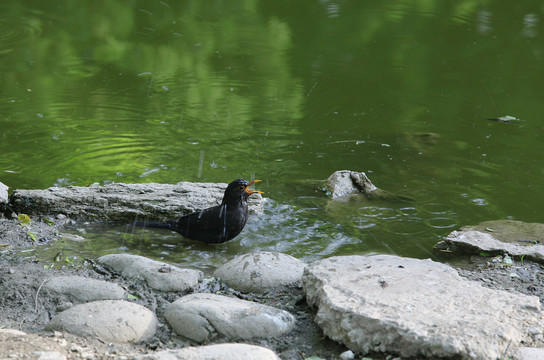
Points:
(169, 91)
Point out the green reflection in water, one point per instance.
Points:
(286, 92)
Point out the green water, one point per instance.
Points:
(287, 92)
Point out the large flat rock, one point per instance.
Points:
(515, 238)
(123, 202)
(158, 275)
(416, 307)
(202, 317)
(262, 271)
(115, 321)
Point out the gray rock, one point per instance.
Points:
(347, 355)
(12, 332)
(124, 202)
(340, 184)
(474, 242)
(115, 321)
(158, 275)
(214, 352)
(3, 194)
(84, 289)
(415, 307)
(345, 182)
(261, 271)
(202, 317)
(511, 231)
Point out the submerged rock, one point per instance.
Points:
(123, 202)
(204, 317)
(84, 289)
(115, 321)
(416, 308)
(214, 352)
(261, 271)
(516, 238)
(345, 182)
(158, 275)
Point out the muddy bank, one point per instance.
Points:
(27, 306)
(30, 304)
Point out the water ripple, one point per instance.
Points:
(17, 32)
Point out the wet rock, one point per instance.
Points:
(84, 289)
(511, 231)
(115, 321)
(123, 202)
(214, 352)
(475, 242)
(261, 271)
(158, 275)
(415, 308)
(203, 317)
(3, 194)
(345, 182)
(340, 184)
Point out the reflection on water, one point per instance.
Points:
(287, 92)
(334, 228)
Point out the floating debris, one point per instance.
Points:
(507, 119)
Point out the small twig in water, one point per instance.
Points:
(312, 89)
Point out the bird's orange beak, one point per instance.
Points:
(249, 191)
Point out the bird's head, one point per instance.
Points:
(239, 188)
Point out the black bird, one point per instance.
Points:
(216, 224)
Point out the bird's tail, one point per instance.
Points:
(153, 224)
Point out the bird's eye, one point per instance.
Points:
(241, 187)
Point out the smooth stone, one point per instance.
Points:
(158, 275)
(84, 289)
(347, 355)
(204, 317)
(115, 321)
(261, 271)
(12, 332)
(475, 242)
(214, 352)
(415, 307)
